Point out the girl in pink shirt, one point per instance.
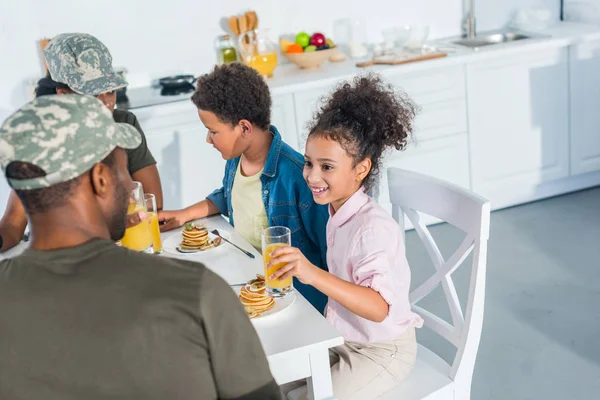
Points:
(369, 278)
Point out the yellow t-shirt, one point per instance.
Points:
(249, 213)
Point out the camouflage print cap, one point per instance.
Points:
(83, 63)
(64, 136)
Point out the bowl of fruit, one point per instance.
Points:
(308, 51)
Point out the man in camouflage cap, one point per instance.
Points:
(80, 63)
(47, 145)
(83, 63)
(81, 318)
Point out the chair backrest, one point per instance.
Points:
(411, 193)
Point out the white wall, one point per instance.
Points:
(492, 14)
(153, 39)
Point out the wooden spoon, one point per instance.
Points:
(255, 18)
(234, 25)
(250, 20)
(243, 24)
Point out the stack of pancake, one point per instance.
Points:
(255, 299)
(195, 238)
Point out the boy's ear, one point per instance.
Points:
(246, 126)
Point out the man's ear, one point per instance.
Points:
(63, 91)
(102, 179)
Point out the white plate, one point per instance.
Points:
(281, 303)
(171, 243)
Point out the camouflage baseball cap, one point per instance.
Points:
(83, 63)
(64, 136)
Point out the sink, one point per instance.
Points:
(489, 39)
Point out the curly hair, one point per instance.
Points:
(366, 117)
(234, 92)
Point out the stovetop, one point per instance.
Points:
(153, 96)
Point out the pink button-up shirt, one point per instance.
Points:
(365, 246)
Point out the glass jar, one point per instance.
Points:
(226, 52)
(258, 51)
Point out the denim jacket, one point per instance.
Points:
(288, 202)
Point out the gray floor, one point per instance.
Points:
(541, 334)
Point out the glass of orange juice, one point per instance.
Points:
(139, 237)
(272, 238)
(264, 63)
(258, 51)
(152, 212)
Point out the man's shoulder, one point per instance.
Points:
(118, 257)
(124, 116)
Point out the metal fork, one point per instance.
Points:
(216, 233)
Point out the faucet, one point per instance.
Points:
(468, 27)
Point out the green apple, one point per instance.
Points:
(310, 48)
(303, 39)
(330, 43)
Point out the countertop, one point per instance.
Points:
(289, 78)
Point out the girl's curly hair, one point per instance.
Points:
(366, 117)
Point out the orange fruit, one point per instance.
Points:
(295, 48)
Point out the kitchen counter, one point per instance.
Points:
(288, 78)
(514, 122)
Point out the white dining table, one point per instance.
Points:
(296, 340)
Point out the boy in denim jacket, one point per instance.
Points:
(263, 184)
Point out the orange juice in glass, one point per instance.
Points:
(272, 238)
(264, 63)
(152, 212)
(258, 51)
(138, 238)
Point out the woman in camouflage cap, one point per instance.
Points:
(80, 63)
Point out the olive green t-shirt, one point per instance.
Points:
(141, 156)
(97, 321)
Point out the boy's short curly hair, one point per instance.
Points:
(366, 117)
(234, 92)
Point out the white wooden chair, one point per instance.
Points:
(411, 193)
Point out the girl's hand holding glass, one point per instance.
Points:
(296, 265)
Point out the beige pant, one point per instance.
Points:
(365, 371)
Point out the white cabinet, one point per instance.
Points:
(518, 109)
(306, 105)
(189, 168)
(446, 159)
(440, 146)
(585, 107)
(440, 96)
(283, 116)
